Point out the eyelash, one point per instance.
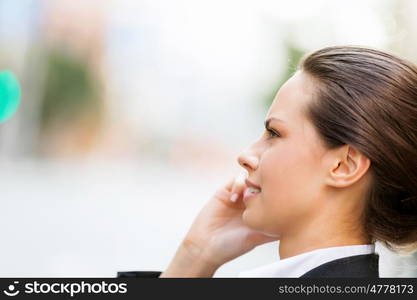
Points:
(272, 133)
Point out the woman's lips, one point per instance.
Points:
(252, 185)
(250, 193)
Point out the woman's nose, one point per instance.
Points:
(247, 161)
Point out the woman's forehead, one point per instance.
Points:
(291, 99)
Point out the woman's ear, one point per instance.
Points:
(349, 165)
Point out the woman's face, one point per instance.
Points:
(289, 168)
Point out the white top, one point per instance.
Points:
(297, 265)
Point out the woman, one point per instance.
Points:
(334, 171)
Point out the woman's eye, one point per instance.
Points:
(272, 133)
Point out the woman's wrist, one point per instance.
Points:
(189, 261)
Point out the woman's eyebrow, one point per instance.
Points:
(267, 121)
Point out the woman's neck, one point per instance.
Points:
(291, 245)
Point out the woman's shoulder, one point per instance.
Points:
(366, 265)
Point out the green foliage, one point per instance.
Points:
(70, 89)
(293, 54)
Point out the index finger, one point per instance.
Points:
(238, 180)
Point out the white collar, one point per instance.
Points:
(297, 265)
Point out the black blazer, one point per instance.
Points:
(365, 265)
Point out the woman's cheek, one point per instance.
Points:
(274, 208)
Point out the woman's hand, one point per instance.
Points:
(217, 235)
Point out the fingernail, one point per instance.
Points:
(234, 197)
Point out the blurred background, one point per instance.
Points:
(133, 114)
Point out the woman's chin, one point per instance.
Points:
(255, 222)
(250, 220)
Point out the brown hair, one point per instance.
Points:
(368, 99)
